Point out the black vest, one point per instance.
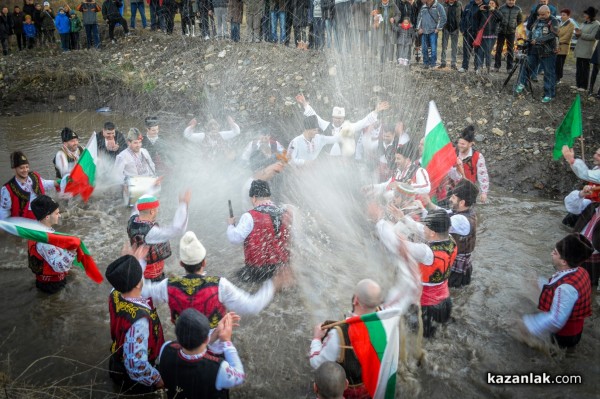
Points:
(192, 378)
(347, 358)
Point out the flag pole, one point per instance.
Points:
(334, 324)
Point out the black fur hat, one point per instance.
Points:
(67, 134)
(17, 159)
(260, 189)
(574, 249)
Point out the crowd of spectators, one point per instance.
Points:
(392, 30)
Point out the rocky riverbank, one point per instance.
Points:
(179, 77)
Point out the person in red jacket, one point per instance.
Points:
(264, 231)
(566, 298)
(17, 194)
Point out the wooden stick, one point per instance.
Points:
(334, 324)
(582, 148)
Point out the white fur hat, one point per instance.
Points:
(338, 112)
(191, 250)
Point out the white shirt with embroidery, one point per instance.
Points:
(130, 164)
(189, 134)
(301, 150)
(6, 202)
(160, 234)
(482, 174)
(584, 173)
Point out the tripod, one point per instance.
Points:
(522, 64)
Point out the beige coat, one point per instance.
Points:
(565, 33)
(587, 41)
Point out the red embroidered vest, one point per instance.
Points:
(264, 246)
(20, 199)
(470, 166)
(198, 292)
(157, 253)
(41, 268)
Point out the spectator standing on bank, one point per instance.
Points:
(512, 16)
(430, 22)
(18, 18)
(235, 14)
(76, 27)
(489, 18)
(450, 32)
(586, 40)
(89, 10)
(30, 32)
(48, 28)
(135, 6)
(63, 26)
(565, 33)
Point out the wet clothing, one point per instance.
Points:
(565, 302)
(119, 139)
(462, 267)
(413, 174)
(264, 231)
(211, 296)
(131, 164)
(137, 337)
(474, 169)
(16, 197)
(200, 376)
(50, 264)
(65, 160)
(213, 146)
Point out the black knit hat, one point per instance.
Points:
(67, 134)
(43, 206)
(574, 249)
(437, 221)
(311, 122)
(124, 273)
(591, 12)
(151, 121)
(17, 159)
(191, 329)
(467, 191)
(260, 189)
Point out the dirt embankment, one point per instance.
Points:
(151, 73)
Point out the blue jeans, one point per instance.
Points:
(135, 7)
(548, 64)
(235, 31)
(318, 33)
(484, 53)
(92, 35)
(275, 16)
(467, 49)
(329, 29)
(65, 41)
(429, 40)
(154, 17)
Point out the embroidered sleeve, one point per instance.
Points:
(422, 184)
(584, 173)
(135, 351)
(326, 351)
(229, 134)
(5, 203)
(482, 175)
(189, 134)
(160, 234)
(543, 323)
(60, 260)
(575, 204)
(294, 153)
(231, 373)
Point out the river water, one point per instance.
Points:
(58, 345)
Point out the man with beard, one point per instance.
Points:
(470, 163)
(135, 161)
(111, 142)
(17, 194)
(69, 153)
(264, 231)
(566, 299)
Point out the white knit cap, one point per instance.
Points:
(338, 112)
(191, 250)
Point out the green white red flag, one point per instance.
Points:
(439, 155)
(570, 128)
(32, 230)
(375, 338)
(82, 179)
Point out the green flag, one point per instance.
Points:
(570, 128)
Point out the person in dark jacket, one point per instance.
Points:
(18, 18)
(112, 16)
(6, 29)
(450, 32)
(595, 61)
(28, 8)
(206, 11)
(300, 22)
(37, 21)
(235, 14)
(488, 18)
(512, 16)
(89, 10)
(469, 27)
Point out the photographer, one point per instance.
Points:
(112, 16)
(542, 50)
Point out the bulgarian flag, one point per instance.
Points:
(375, 338)
(439, 155)
(82, 178)
(570, 128)
(32, 230)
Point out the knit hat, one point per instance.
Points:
(338, 112)
(67, 135)
(191, 250)
(574, 249)
(438, 221)
(43, 206)
(591, 12)
(146, 202)
(46, 4)
(311, 122)
(467, 191)
(191, 328)
(124, 273)
(17, 159)
(260, 189)
(151, 121)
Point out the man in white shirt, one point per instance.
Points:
(305, 149)
(69, 153)
(338, 118)
(135, 160)
(214, 142)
